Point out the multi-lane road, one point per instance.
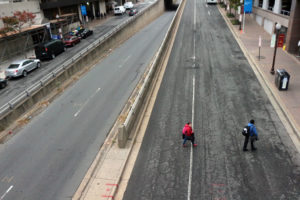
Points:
(49, 157)
(15, 86)
(209, 82)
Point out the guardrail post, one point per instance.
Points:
(122, 136)
(27, 93)
(10, 105)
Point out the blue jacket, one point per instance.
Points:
(252, 129)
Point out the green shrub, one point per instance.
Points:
(222, 5)
(230, 15)
(235, 22)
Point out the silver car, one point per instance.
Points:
(22, 67)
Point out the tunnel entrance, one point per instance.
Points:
(170, 5)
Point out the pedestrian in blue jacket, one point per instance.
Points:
(252, 134)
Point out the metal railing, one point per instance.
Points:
(51, 76)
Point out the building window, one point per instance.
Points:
(271, 5)
(260, 3)
(286, 7)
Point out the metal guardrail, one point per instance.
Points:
(10, 105)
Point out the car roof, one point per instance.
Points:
(52, 41)
(19, 61)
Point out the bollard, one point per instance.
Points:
(122, 136)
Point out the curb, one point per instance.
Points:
(110, 143)
(275, 99)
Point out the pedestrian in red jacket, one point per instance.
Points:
(188, 134)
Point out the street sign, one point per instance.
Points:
(248, 6)
(83, 10)
(280, 40)
(273, 40)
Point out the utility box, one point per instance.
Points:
(282, 79)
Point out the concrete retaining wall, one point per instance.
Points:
(125, 129)
(83, 61)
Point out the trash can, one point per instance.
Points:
(282, 79)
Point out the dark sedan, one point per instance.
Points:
(3, 83)
(86, 33)
(132, 11)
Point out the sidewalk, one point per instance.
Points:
(289, 100)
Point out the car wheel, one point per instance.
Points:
(2, 85)
(38, 65)
(72, 45)
(53, 56)
(24, 73)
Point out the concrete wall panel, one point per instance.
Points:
(259, 20)
(268, 26)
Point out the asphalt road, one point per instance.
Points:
(49, 157)
(18, 85)
(208, 81)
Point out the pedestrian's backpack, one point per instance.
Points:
(246, 131)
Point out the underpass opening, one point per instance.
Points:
(171, 4)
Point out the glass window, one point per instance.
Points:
(25, 63)
(13, 66)
(271, 5)
(286, 7)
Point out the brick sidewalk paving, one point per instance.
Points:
(289, 100)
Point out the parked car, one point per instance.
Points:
(22, 67)
(3, 83)
(49, 50)
(85, 33)
(119, 10)
(71, 40)
(76, 32)
(132, 11)
(128, 5)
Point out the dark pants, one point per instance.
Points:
(246, 142)
(192, 138)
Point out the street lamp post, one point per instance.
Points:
(277, 27)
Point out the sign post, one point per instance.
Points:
(247, 9)
(83, 12)
(259, 46)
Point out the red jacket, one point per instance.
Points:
(187, 130)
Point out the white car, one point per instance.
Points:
(22, 67)
(119, 10)
(211, 1)
(128, 5)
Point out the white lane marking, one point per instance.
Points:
(208, 13)
(7, 191)
(125, 60)
(79, 110)
(193, 109)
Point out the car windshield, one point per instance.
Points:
(117, 9)
(68, 39)
(13, 66)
